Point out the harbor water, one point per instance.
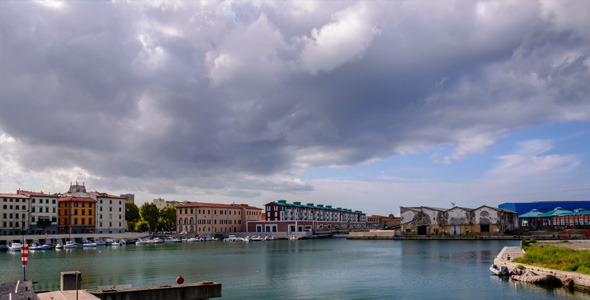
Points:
(293, 269)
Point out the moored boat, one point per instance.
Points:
(100, 242)
(500, 270)
(45, 247)
(15, 247)
(88, 243)
(3, 248)
(34, 246)
(70, 245)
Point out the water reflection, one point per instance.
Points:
(301, 269)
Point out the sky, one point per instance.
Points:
(365, 105)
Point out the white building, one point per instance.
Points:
(110, 213)
(42, 212)
(14, 213)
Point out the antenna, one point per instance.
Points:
(453, 204)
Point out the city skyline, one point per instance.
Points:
(357, 104)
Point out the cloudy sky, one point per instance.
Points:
(367, 105)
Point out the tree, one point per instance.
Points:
(168, 218)
(131, 212)
(142, 226)
(150, 214)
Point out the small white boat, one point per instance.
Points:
(171, 240)
(293, 237)
(194, 239)
(34, 246)
(157, 241)
(70, 245)
(88, 244)
(100, 242)
(140, 242)
(123, 242)
(59, 246)
(15, 247)
(45, 247)
(256, 239)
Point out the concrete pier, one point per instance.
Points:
(190, 291)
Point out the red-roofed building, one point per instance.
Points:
(76, 215)
(212, 218)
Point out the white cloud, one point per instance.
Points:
(341, 41)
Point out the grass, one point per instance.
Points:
(558, 258)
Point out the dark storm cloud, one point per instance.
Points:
(241, 95)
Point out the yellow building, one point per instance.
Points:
(76, 215)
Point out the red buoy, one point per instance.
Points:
(179, 280)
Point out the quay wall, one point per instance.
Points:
(190, 291)
(505, 257)
(37, 238)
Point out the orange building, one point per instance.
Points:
(76, 215)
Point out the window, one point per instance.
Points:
(75, 204)
(110, 201)
(33, 200)
(32, 219)
(47, 209)
(32, 209)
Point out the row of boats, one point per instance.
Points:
(111, 242)
(68, 245)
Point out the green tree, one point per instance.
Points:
(150, 214)
(131, 212)
(168, 218)
(142, 226)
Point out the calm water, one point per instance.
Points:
(303, 269)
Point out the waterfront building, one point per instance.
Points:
(544, 206)
(213, 218)
(557, 218)
(109, 210)
(42, 212)
(14, 212)
(382, 221)
(76, 215)
(281, 216)
(110, 213)
(457, 220)
(161, 203)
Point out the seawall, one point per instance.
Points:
(505, 257)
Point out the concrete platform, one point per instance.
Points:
(67, 295)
